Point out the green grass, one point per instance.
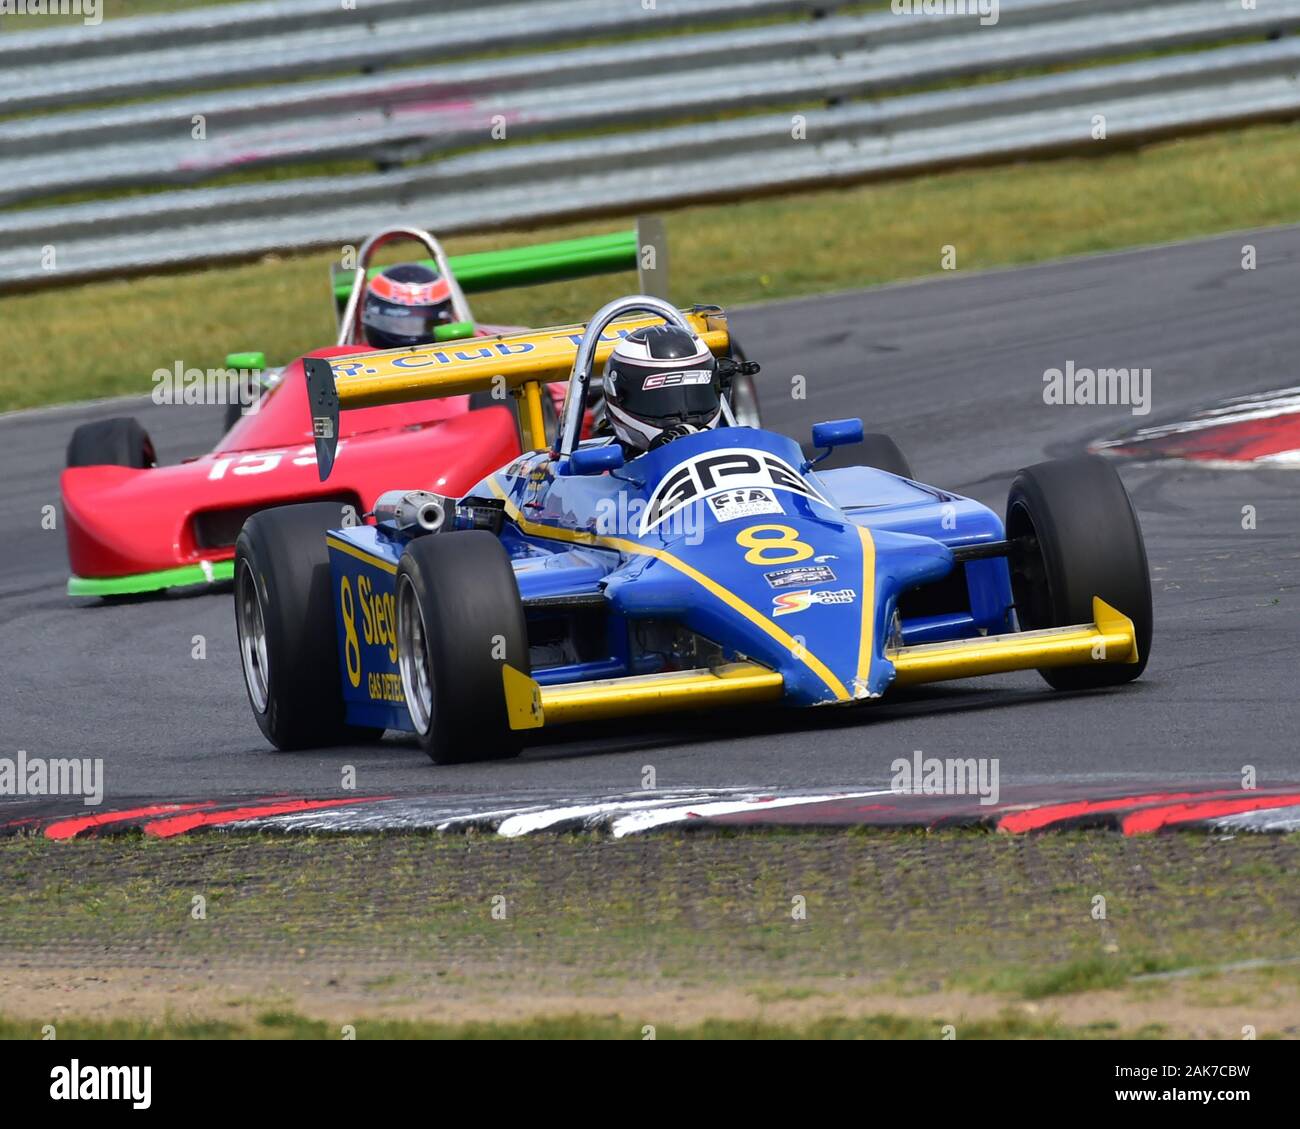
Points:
(904, 932)
(1090, 974)
(901, 908)
(106, 338)
(288, 1025)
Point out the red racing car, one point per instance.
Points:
(134, 526)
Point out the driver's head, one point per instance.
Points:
(660, 382)
(404, 305)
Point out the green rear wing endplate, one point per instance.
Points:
(560, 261)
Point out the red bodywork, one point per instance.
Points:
(122, 521)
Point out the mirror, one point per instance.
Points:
(836, 433)
(453, 331)
(595, 460)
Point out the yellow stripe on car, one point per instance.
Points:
(361, 555)
(866, 638)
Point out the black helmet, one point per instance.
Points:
(404, 305)
(660, 382)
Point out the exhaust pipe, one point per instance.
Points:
(406, 510)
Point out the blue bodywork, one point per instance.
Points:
(811, 574)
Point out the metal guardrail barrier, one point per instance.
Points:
(153, 145)
(392, 117)
(321, 40)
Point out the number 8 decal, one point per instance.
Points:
(773, 544)
(351, 644)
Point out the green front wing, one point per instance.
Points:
(186, 576)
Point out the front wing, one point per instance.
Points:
(1111, 638)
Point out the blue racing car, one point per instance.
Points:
(675, 561)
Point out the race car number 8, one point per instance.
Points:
(352, 645)
(773, 544)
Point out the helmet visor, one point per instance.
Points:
(415, 324)
(674, 395)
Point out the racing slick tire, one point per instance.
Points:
(459, 618)
(232, 415)
(875, 450)
(284, 616)
(235, 412)
(120, 441)
(1076, 536)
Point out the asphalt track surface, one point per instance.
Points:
(953, 369)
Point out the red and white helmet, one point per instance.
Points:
(405, 304)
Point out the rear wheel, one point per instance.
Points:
(284, 616)
(112, 442)
(249, 394)
(459, 618)
(1075, 536)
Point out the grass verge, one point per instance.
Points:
(289, 1025)
(858, 934)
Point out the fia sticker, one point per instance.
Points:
(733, 504)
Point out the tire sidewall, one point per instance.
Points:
(473, 623)
(286, 552)
(120, 441)
(1090, 544)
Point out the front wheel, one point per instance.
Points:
(1075, 536)
(284, 617)
(459, 618)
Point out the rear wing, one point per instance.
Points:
(516, 364)
(643, 249)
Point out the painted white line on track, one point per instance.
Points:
(636, 822)
(527, 822)
(130, 400)
(1261, 820)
